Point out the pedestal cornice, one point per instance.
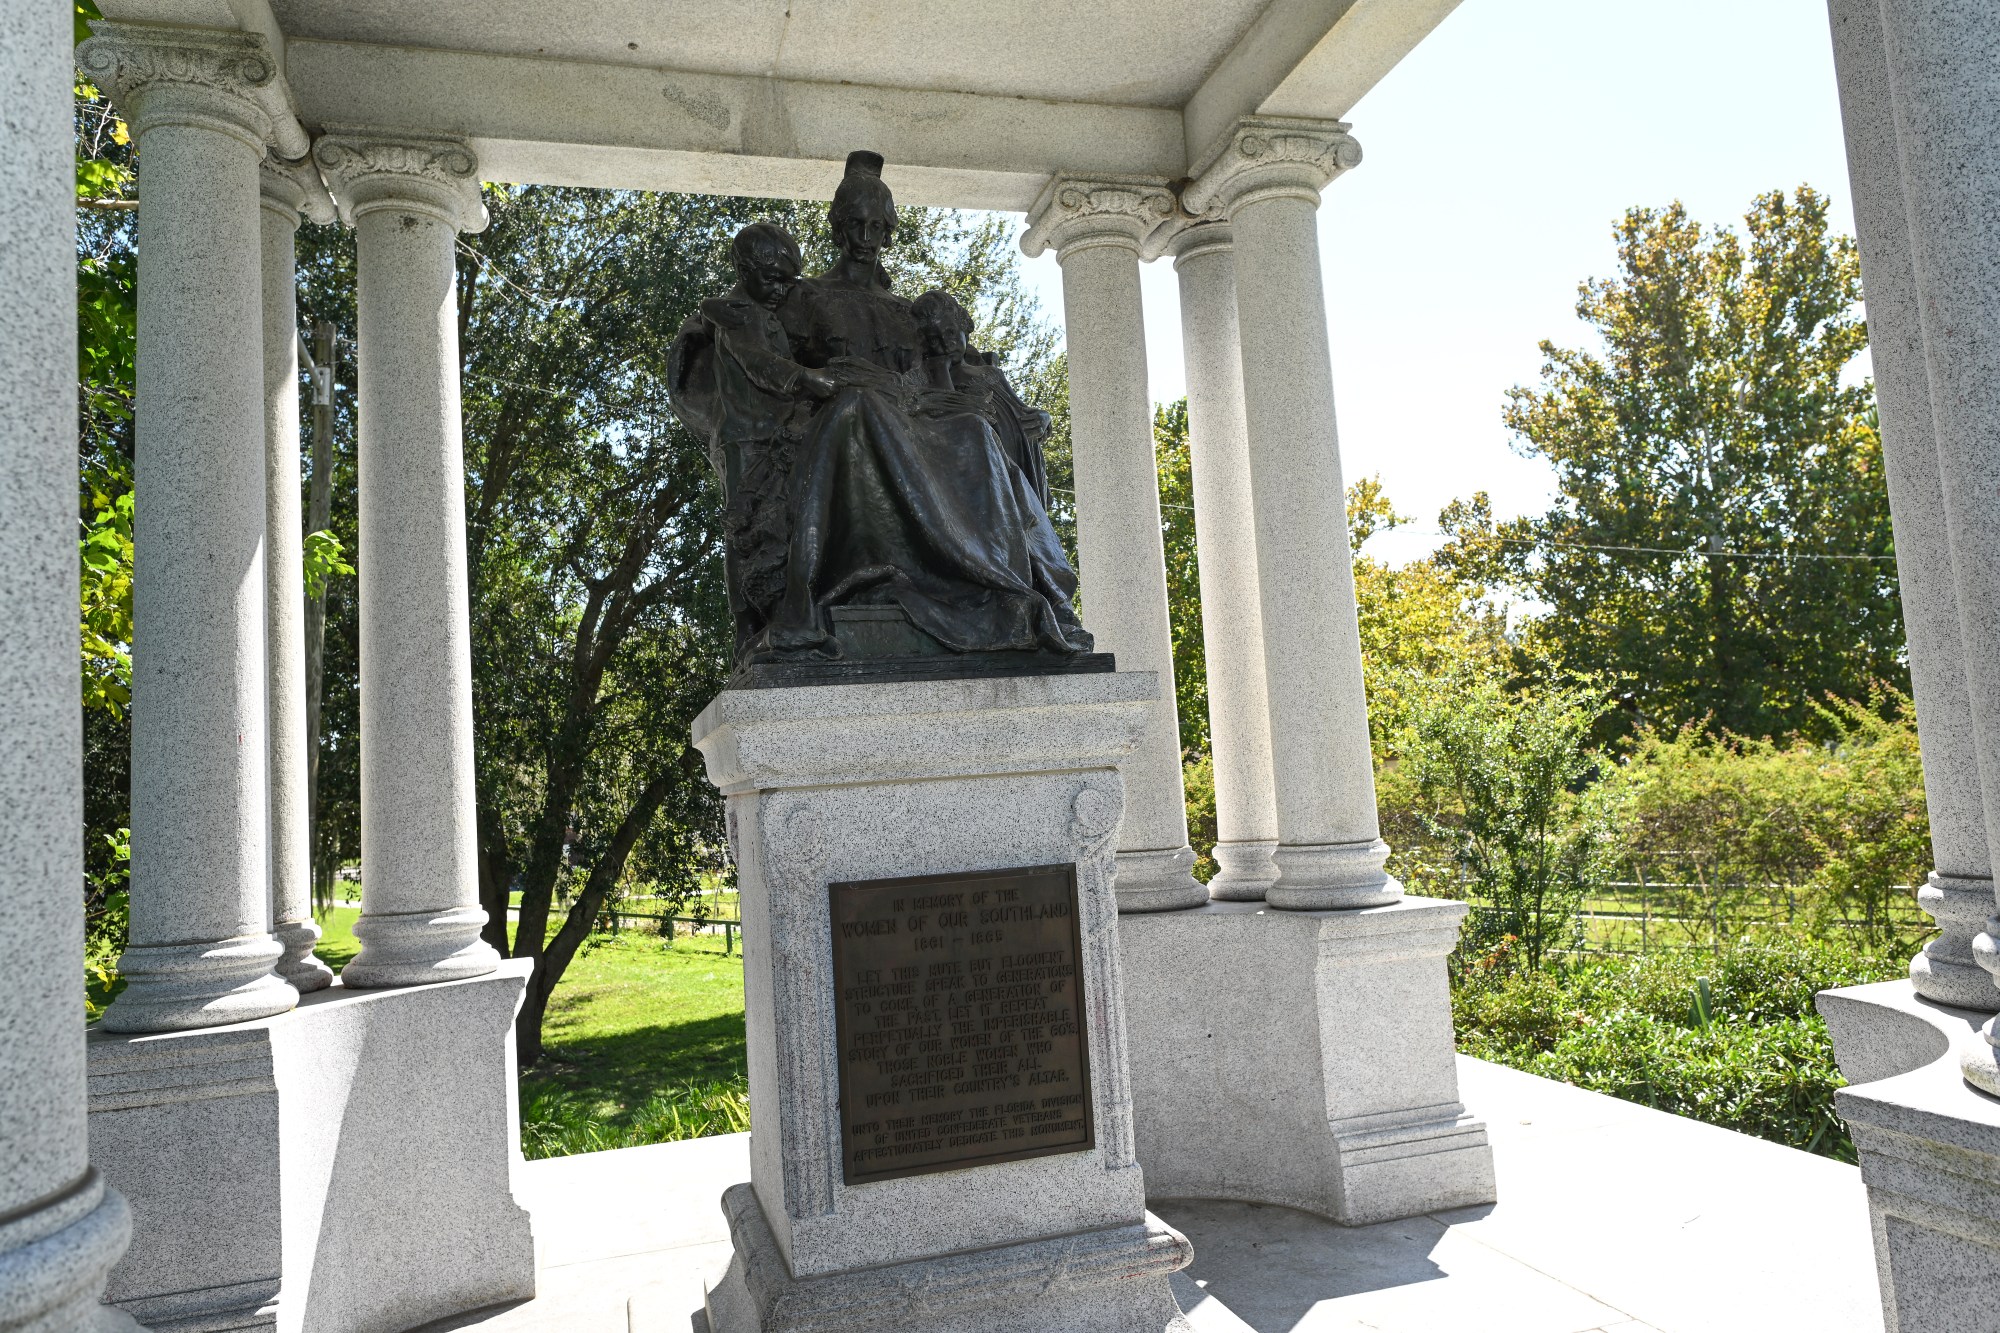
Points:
(1267, 156)
(367, 172)
(225, 81)
(1075, 214)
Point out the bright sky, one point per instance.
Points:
(1498, 156)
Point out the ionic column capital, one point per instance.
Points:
(1075, 214)
(293, 188)
(224, 81)
(1265, 157)
(367, 172)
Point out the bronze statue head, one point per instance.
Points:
(767, 262)
(863, 214)
(944, 323)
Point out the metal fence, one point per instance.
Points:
(614, 920)
(1636, 916)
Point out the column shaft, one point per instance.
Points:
(1239, 724)
(1124, 563)
(1942, 54)
(1267, 180)
(1960, 892)
(284, 599)
(200, 951)
(60, 1229)
(420, 914)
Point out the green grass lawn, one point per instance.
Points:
(643, 1042)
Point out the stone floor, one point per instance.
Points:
(1615, 1219)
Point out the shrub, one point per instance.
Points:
(1497, 776)
(1732, 1040)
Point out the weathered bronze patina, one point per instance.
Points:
(959, 1013)
(884, 486)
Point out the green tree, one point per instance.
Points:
(1720, 542)
(1176, 469)
(1498, 775)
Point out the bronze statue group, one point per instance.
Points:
(869, 456)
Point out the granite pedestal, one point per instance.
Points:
(841, 783)
(343, 1168)
(1317, 1071)
(1930, 1153)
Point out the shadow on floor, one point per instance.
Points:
(1270, 1266)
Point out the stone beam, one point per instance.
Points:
(610, 126)
(1307, 58)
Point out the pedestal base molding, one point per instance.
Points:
(1160, 881)
(1112, 1280)
(353, 1157)
(1301, 1058)
(178, 987)
(1948, 970)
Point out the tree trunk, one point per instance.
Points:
(551, 963)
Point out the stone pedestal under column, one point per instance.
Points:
(1930, 1153)
(834, 784)
(346, 1167)
(1321, 1072)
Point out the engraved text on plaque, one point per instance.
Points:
(960, 1021)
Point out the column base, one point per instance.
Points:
(1158, 881)
(297, 964)
(1301, 1059)
(1247, 870)
(54, 1260)
(1930, 1153)
(183, 987)
(418, 948)
(1947, 970)
(347, 1165)
(1332, 876)
(1112, 1280)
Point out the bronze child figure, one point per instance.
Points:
(735, 359)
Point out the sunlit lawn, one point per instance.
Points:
(643, 1041)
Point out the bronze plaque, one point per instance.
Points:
(959, 1003)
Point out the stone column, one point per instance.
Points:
(1100, 230)
(1232, 622)
(1960, 891)
(1941, 58)
(61, 1230)
(288, 188)
(407, 200)
(1265, 178)
(201, 106)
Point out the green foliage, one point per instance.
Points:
(1198, 781)
(1837, 825)
(106, 552)
(555, 1123)
(1707, 460)
(1732, 1040)
(325, 560)
(1176, 473)
(1497, 776)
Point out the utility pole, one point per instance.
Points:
(319, 513)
